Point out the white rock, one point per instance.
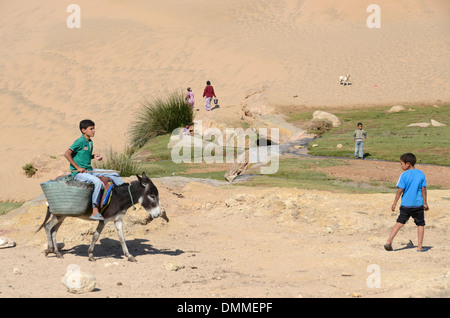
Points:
(256, 109)
(6, 242)
(423, 125)
(78, 282)
(396, 109)
(321, 115)
(173, 266)
(436, 124)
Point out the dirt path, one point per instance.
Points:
(386, 171)
(241, 242)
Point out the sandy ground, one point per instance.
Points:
(292, 51)
(230, 242)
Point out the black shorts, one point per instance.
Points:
(417, 213)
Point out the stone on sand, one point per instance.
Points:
(78, 282)
(321, 115)
(6, 242)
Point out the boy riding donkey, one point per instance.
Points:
(80, 155)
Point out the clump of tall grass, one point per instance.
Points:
(29, 169)
(160, 116)
(120, 162)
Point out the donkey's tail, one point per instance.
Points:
(47, 216)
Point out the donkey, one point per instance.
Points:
(123, 197)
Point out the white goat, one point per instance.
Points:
(343, 79)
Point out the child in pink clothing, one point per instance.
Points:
(190, 97)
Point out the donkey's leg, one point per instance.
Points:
(53, 232)
(51, 235)
(119, 227)
(48, 227)
(99, 229)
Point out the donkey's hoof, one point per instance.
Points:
(59, 255)
(91, 259)
(131, 258)
(48, 251)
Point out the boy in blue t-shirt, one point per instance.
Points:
(411, 186)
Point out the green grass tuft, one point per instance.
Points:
(121, 162)
(29, 169)
(160, 116)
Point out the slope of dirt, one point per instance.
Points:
(229, 241)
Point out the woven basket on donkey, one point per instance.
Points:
(66, 196)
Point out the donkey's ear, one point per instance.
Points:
(144, 180)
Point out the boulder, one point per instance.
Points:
(255, 105)
(321, 115)
(78, 282)
(173, 266)
(423, 125)
(436, 124)
(257, 109)
(6, 242)
(396, 109)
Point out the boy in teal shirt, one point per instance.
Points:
(80, 155)
(411, 186)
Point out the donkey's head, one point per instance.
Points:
(149, 199)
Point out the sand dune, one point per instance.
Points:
(51, 76)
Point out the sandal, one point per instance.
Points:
(97, 217)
